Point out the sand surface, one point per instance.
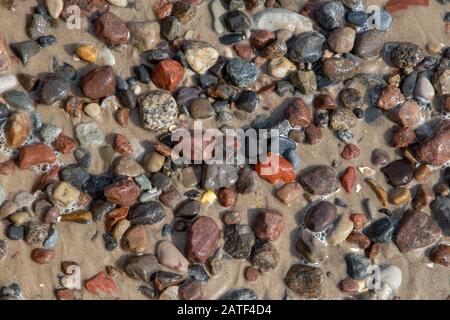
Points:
(421, 280)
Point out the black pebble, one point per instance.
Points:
(197, 272)
(15, 232)
(110, 242)
(142, 73)
(231, 38)
(47, 41)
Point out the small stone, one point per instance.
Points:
(15, 232)
(183, 11)
(261, 38)
(171, 197)
(289, 192)
(7, 208)
(305, 81)
(441, 255)
(247, 101)
(54, 7)
(350, 152)
(127, 166)
(227, 197)
(145, 35)
(423, 197)
(357, 266)
(93, 110)
(265, 256)
(341, 230)
(398, 173)
(435, 150)
(136, 239)
(64, 144)
(331, 15)
(239, 240)
(400, 196)
(122, 117)
(101, 283)
(19, 218)
(320, 216)
(43, 256)
(201, 108)
(5, 60)
(169, 256)
(369, 44)
(359, 239)
(350, 98)
(167, 74)
(89, 133)
(274, 19)
(200, 55)
(241, 73)
(203, 238)
(310, 247)
(281, 67)
(141, 267)
(7, 82)
(158, 110)
(406, 55)
(188, 210)
(440, 208)
(99, 83)
(240, 294)
(237, 21)
(252, 274)
(305, 281)
(37, 27)
(35, 154)
(441, 82)
(123, 193)
(424, 90)
(342, 40)
(111, 29)
(268, 225)
(348, 179)
(416, 230)
(17, 129)
(306, 47)
(408, 114)
(150, 212)
(319, 180)
(392, 276)
(25, 50)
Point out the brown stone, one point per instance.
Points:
(243, 50)
(52, 215)
(170, 198)
(163, 149)
(348, 179)
(423, 197)
(390, 97)
(268, 225)
(324, 102)
(99, 83)
(168, 74)
(446, 103)
(202, 241)
(348, 285)
(305, 280)
(7, 168)
(298, 113)
(136, 239)
(436, 150)
(441, 255)
(74, 106)
(262, 38)
(191, 290)
(43, 256)
(320, 216)
(289, 192)
(122, 146)
(46, 178)
(408, 114)
(403, 137)
(359, 239)
(17, 129)
(162, 8)
(5, 60)
(227, 197)
(122, 116)
(111, 29)
(87, 7)
(422, 173)
(232, 217)
(34, 154)
(313, 133)
(252, 274)
(115, 215)
(350, 152)
(64, 144)
(123, 193)
(358, 220)
(416, 230)
(400, 196)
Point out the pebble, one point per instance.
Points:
(7, 208)
(89, 133)
(217, 176)
(17, 129)
(43, 256)
(439, 254)
(240, 294)
(241, 73)
(55, 88)
(435, 150)
(145, 35)
(341, 230)
(281, 67)
(201, 109)
(203, 239)
(83, 157)
(357, 266)
(239, 240)
(342, 40)
(319, 180)
(19, 218)
(306, 47)
(150, 213)
(441, 82)
(183, 11)
(169, 256)
(158, 110)
(380, 157)
(289, 192)
(406, 55)
(390, 97)
(268, 225)
(305, 81)
(274, 19)
(392, 276)
(122, 117)
(398, 173)
(127, 166)
(7, 82)
(331, 15)
(320, 216)
(200, 55)
(265, 256)
(400, 196)
(247, 101)
(15, 232)
(227, 197)
(237, 21)
(422, 197)
(35, 154)
(54, 7)
(440, 209)
(304, 280)
(87, 52)
(106, 57)
(348, 179)
(136, 239)
(51, 239)
(167, 74)
(19, 100)
(99, 82)
(369, 44)
(37, 27)
(408, 114)
(229, 39)
(248, 181)
(337, 69)
(424, 90)
(261, 38)
(218, 10)
(25, 50)
(188, 210)
(357, 18)
(112, 29)
(101, 283)
(274, 50)
(416, 230)
(123, 193)
(47, 41)
(350, 152)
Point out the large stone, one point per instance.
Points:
(239, 241)
(202, 241)
(112, 29)
(436, 149)
(150, 212)
(305, 281)
(99, 83)
(274, 19)
(320, 180)
(141, 267)
(158, 110)
(200, 55)
(320, 216)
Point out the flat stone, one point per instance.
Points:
(274, 19)
(306, 281)
(320, 180)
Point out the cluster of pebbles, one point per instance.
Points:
(308, 55)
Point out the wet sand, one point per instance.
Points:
(420, 279)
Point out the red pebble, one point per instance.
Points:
(275, 169)
(243, 50)
(350, 152)
(101, 283)
(34, 154)
(348, 179)
(168, 74)
(358, 220)
(64, 144)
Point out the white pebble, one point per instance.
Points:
(119, 3)
(392, 276)
(54, 7)
(106, 57)
(7, 83)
